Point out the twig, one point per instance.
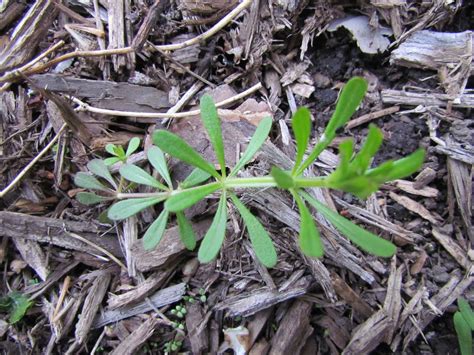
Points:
(62, 295)
(33, 162)
(372, 116)
(87, 107)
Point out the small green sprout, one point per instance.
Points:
(353, 174)
(464, 325)
(119, 154)
(16, 304)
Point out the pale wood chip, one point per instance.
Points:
(32, 254)
(137, 338)
(452, 248)
(409, 186)
(416, 207)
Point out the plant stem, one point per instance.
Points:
(121, 196)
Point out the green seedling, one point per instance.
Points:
(119, 154)
(16, 304)
(464, 325)
(354, 174)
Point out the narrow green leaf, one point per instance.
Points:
(364, 239)
(212, 123)
(158, 161)
(463, 331)
(99, 168)
(127, 208)
(283, 179)
(371, 145)
(196, 177)
(350, 98)
(346, 149)
(258, 138)
(178, 148)
(89, 198)
(111, 149)
(19, 306)
(186, 231)
(155, 232)
(87, 181)
(406, 166)
(466, 311)
(214, 237)
(136, 174)
(132, 146)
(301, 124)
(111, 161)
(309, 238)
(261, 241)
(183, 199)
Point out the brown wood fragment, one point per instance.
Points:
(260, 348)
(371, 116)
(393, 300)
(455, 151)
(54, 231)
(137, 338)
(257, 323)
(452, 248)
(148, 23)
(407, 98)
(344, 291)
(339, 335)
(161, 298)
(409, 187)
(293, 330)
(416, 207)
(419, 263)
(11, 13)
(106, 94)
(246, 305)
(29, 32)
(32, 253)
(426, 176)
(198, 335)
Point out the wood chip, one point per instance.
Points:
(198, 334)
(32, 253)
(407, 98)
(344, 291)
(409, 187)
(452, 248)
(416, 207)
(131, 344)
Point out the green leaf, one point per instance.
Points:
(350, 98)
(182, 199)
(87, 181)
(406, 166)
(158, 161)
(466, 311)
(463, 331)
(309, 238)
(99, 168)
(132, 146)
(212, 123)
(186, 231)
(301, 124)
(19, 306)
(261, 241)
(89, 198)
(196, 177)
(111, 149)
(283, 179)
(214, 237)
(136, 174)
(111, 161)
(258, 138)
(346, 149)
(364, 239)
(127, 208)
(371, 145)
(155, 232)
(178, 148)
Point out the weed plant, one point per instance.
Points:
(353, 174)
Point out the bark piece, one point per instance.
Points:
(55, 231)
(293, 330)
(261, 299)
(161, 298)
(198, 336)
(137, 338)
(32, 253)
(148, 23)
(11, 13)
(416, 207)
(407, 98)
(411, 188)
(351, 297)
(452, 248)
(29, 32)
(106, 94)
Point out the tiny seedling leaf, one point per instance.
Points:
(111, 161)
(196, 177)
(132, 146)
(214, 237)
(309, 238)
(127, 208)
(466, 312)
(186, 231)
(283, 179)
(406, 166)
(155, 232)
(371, 145)
(178, 148)
(87, 181)
(110, 148)
(212, 123)
(99, 168)
(19, 306)
(258, 138)
(363, 238)
(183, 199)
(158, 161)
(90, 198)
(136, 174)
(463, 331)
(261, 241)
(301, 124)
